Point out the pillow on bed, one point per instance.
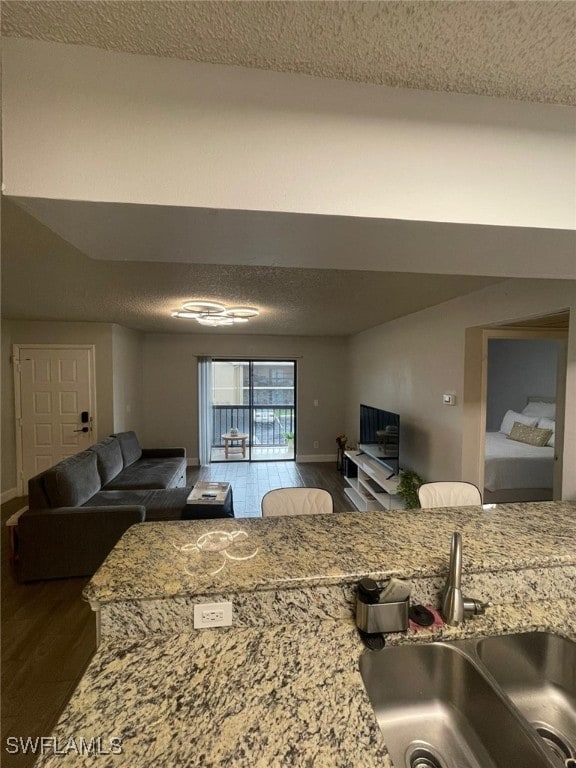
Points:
(511, 416)
(540, 409)
(548, 424)
(531, 435)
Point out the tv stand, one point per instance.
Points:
(374, 488)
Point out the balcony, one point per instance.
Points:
(266, 426)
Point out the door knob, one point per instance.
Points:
(83, 429)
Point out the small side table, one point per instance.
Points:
(209, 500)
(229, 441)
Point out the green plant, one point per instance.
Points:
(408, 486)
(289, 435)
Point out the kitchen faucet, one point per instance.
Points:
(456, 607)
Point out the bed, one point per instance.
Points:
(517, 471)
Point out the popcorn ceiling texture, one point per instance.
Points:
(516, 50)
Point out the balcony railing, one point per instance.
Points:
(265, 425)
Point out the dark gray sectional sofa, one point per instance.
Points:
(79, 508)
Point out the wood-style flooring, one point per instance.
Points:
(49, 632)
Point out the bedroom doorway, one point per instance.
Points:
(515, 373)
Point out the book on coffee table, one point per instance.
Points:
(205, 492)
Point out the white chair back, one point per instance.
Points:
(448, 494)
(296, 501)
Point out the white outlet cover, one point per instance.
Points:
(208, 615)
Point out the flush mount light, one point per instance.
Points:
(201, 308)
(214, 314)
(242, 312)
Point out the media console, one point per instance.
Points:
(373, 488)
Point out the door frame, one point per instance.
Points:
(17, 359)
(474, 400)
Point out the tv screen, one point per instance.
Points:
(380, 428)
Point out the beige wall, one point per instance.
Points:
(127, 379)
(406, 365)
(70, 113)
(8, 435)
(171, 386)
(36, 332)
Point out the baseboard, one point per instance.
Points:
(301, 459)
(8, 495)
(193, 462)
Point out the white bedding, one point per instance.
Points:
(510, 464)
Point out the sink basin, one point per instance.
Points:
(436, 709)
(538, 672)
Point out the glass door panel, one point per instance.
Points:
(230, 410)
(253, 410)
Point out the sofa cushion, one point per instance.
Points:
(160, 504)
(118, 499)
(150, 473)
(129, 446)
(73, 481)
(110, 461)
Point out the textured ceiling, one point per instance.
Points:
(518, 50)
(45, 278)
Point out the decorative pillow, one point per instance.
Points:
(540, 409)
(548, 424)
(530, 435)
(511, 417)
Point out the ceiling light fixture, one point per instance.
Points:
(214, 314)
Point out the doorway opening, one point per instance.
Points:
(515, 374)
(253, 408)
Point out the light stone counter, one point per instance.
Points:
(157, 560)
(298, 569)
(280, 697)
(281, 688)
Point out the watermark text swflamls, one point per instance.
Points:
(52, 745)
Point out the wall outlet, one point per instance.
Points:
(316, 444)
(212, 615)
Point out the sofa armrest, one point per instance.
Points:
(163, 453)
(70, 541)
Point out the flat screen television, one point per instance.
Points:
(381, 430)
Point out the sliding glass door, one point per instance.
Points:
(253, 410)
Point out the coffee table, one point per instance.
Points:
(208, 500)
(229, 439)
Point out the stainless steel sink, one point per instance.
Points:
(538, 672)
(437, 709)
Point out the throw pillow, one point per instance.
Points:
(548, 424)
(531, 435)
(541, 409)
(511, 417)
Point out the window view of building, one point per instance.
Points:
(256, 400)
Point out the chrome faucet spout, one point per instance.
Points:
(455, 607)
(453, 600)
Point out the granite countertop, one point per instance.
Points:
(280, 697)
(156, 560)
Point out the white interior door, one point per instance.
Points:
(56, 393)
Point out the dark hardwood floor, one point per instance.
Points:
(49, 632)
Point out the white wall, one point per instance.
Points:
(127, 379)
(518, 369)
(86, 124)
(171, 386)
(406, 365)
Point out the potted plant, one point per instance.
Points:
(289, 437)
(408, 486)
